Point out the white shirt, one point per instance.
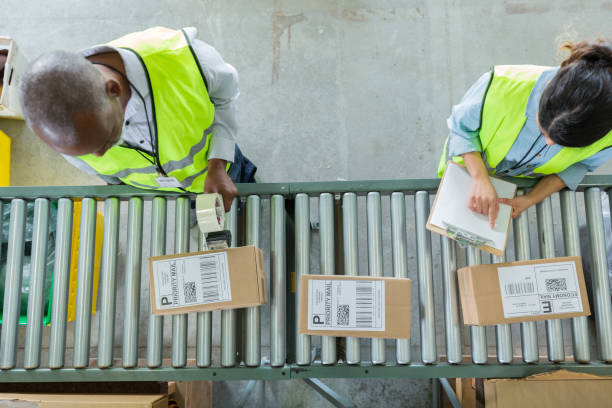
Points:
(222, 80)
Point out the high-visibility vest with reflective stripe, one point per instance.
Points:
(182, 114)
(503, 117)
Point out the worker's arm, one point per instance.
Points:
(464, 120)
(222, 82)
(483, 197)
(545, 187)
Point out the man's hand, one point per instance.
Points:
(519, 204)
(483, 198)
(217, 181)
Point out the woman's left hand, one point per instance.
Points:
(519, 204)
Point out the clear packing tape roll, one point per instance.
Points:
(210, 212)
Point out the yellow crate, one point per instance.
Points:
(74, 261)
(5, 160)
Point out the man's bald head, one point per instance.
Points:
(64, 100)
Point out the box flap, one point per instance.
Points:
(90, 400)
(558, 375)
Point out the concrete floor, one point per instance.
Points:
(351, 89)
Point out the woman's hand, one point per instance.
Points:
(483, 198)
(519, 204)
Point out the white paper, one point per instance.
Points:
(193, 280)
(452, 206)
(346, 305)
(168, 182)
(529, 290)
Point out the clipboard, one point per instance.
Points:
(451, 217)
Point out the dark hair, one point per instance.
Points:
(576, 106)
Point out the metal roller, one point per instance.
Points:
(228, 317)
(82, 320)
(203, 327)
(351, 262)
(503, 333)
(302, 267)
(429, 353)
(40, 235)
(375, 262)
(571, 240)
(529, 332)
(61, 274)
(400, 261)
(451, 311)
(133, 260)
(480, 354)
(108, 283)
(278, 352)
(326, 221)
(601, 284)
(158, 247)
(554, 331)
(12, 284)
(252, 314)
(181, 245)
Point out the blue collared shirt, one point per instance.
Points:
(529, 150)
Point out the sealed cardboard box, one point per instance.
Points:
(355, 306)
(90, 400)
(523, 291)
(558, 389)
(209, 280)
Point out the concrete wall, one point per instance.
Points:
(330, 89)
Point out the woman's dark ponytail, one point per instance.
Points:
(599, 53)
(576, 105)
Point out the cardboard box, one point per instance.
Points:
(558, 389)
(14, 68)
(209, 280)
(90, 400)
(523, 291)
(355, 306)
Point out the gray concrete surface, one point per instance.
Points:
(329, 90)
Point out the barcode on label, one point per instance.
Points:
(343, 315)
(208, 277)
(519, 288)
(555, 285)
(189, 289)
(364, 303)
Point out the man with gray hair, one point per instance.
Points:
(154, 109)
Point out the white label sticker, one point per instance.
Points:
(346, 305)
(530, 290)
(168, 182)
(193, 280)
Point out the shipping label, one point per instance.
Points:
(193, 280)
(529, 290)
(346, 305)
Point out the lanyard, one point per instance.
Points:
(522, 161)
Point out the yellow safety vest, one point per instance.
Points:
(182, 115)
(503, 117)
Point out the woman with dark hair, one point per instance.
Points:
(554, 123)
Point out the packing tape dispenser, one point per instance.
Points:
(210, 214)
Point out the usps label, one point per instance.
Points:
(530, 290)
(346, 305)
(193, 280)
(168, 182)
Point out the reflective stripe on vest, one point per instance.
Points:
(503, 117)
(182, 111)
